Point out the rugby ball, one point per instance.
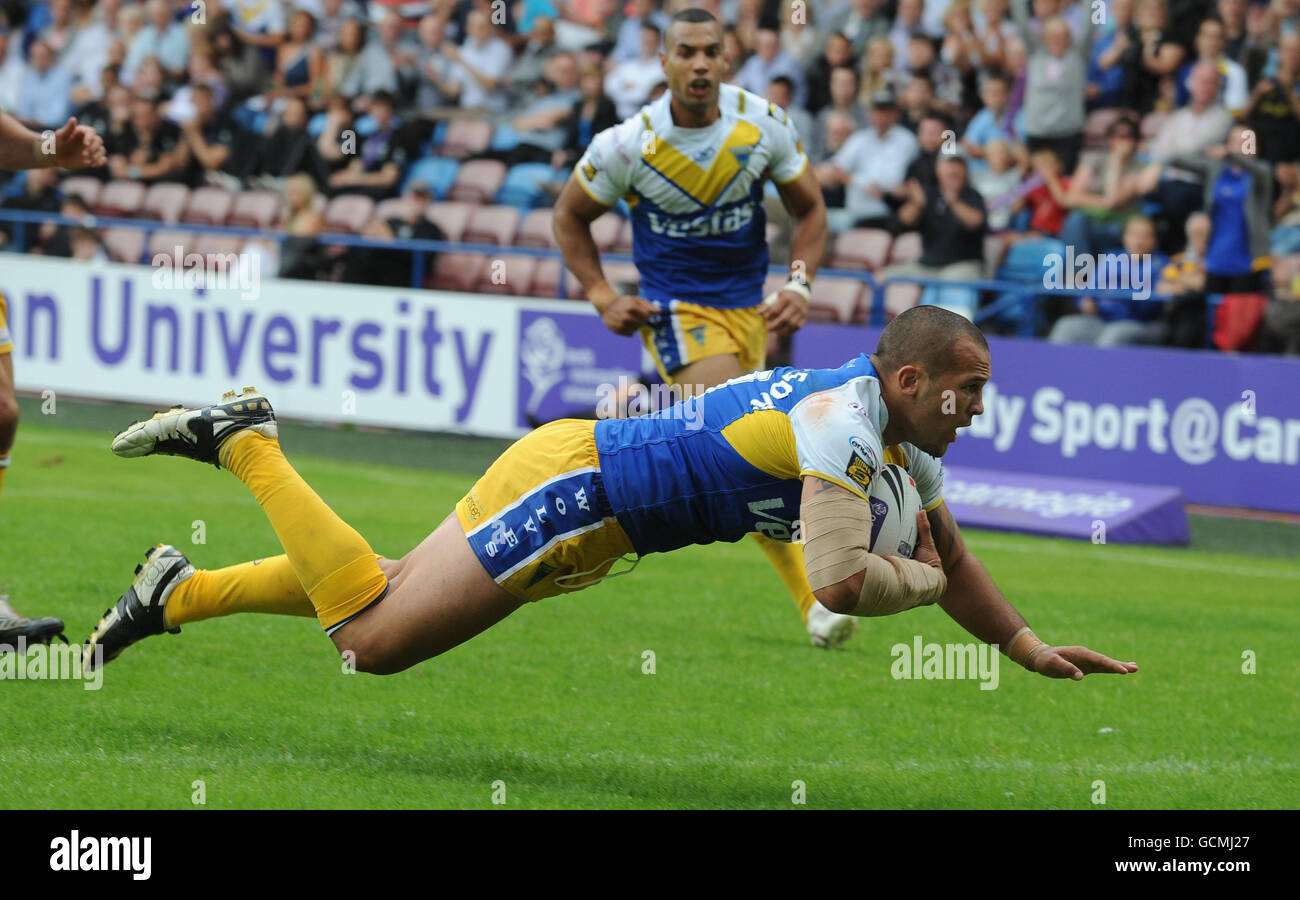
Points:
(894, 505)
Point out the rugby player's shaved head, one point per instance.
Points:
(925, 336)
(932, 366)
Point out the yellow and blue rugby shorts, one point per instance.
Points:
(538, 520)
(687, 332)
(6, 342)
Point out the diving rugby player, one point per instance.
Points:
(559, 509)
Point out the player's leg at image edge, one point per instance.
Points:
(14, 626)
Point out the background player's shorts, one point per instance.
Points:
(6, 342)
(538, 520)
(687, 332)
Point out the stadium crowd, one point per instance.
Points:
(958, 139)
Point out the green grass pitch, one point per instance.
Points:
(552, 708)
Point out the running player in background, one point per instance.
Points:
(692, 167)
(72, 147)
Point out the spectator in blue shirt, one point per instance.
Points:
(162, 38)
(992, 123)
(1112, 58)
(769, 61)
(627, 45)
(43, 97)
(1239, 198)
(1114, 321)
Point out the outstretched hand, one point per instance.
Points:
(78, 147)
(1075, 662)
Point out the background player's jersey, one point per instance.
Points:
(729, 462)
(696, 194)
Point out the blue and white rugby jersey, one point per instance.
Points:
(696, 194)
(730, 461)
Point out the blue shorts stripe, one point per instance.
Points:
(562, 506)
(667, 341)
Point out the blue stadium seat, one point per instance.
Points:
(522, 188)
(16, 186)
(366, 125)
(439, 135)
(504, 138)
(957, 299)
(253, 120)
(1024, 263)
(316, 124)
(437, 172)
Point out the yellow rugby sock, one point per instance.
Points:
(336, 567)
(261, 586)
(787, 559)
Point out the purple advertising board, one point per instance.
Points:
(568, 362)
(1223, 428)
(1103, 512)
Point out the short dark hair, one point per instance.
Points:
(924, 336)
(691, 16)
(782, 79)
(939, 116)
(1128, 123)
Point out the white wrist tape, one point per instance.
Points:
(795, 287)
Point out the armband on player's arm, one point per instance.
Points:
(836, 525)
